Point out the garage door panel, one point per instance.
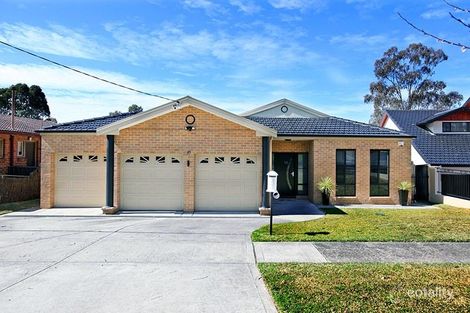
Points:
(152, 182)
(80, 180)
(227, 183)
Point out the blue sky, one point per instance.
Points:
(236, 54)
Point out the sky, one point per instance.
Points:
(234, 54)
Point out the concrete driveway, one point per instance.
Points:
(129, 264)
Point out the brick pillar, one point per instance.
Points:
(189, 182)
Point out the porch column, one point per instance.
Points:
(266, 152)
(110, 171)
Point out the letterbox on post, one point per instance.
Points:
(272, 182)
(272, 188)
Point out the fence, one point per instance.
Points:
(19, 188)
(456, 185)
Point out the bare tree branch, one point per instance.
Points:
(443, 40)
(459, 20)
(456, 7)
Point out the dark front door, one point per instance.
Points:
(421, 183)
(30, 153)
(285, 164)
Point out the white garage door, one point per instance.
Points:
(227, 183)
(152, 182)
(80, 180)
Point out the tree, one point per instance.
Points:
(115, 113)
(404, 82)
(461, 21)
(30, 101)
(134, 108)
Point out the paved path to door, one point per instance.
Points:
(129, 264)
(384, 252)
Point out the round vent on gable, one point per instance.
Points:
(284, 109)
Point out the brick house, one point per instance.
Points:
(189, 155)
(441, 147)
(20, 145)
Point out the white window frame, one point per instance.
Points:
(21, 149)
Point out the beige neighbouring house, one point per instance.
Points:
(192, 156)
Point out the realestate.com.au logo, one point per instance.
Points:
(437, 292)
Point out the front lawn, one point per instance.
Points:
(16, 206)
(441, 224)
(368, 287)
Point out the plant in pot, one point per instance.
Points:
(326, 187)
(403, 190)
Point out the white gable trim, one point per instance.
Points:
(114, 128)
(284, 102)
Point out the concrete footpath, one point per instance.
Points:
(382, 252)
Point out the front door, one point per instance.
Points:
(285, 164)
(30, 153)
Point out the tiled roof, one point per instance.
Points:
(325, 126)
(436, 149)
(22, 124)
(88, 125)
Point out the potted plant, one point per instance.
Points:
(326, 187)
(403, 189)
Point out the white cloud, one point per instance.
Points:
(57, 40)
(208, 6)
(173, 44)
(72, 96)
(435, 13)
(298, 4)
(359, 39)
(246, 6)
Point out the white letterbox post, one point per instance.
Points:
(272, 188)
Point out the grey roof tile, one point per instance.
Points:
(325, 126)
(88, 125)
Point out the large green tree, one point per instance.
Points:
(30, 101)
(404, 82)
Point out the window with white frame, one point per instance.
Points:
(20, 151)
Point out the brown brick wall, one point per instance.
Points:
(324, 160)
(17, 161)
(290, 146)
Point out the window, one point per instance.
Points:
(2, 148)
(219, 160)
(175, 160)
(455, 127)
(93, 158)
(63, 159)
(160, 159)
(379, 173)
(129, 160)
(77, 158)
(345, 172)
(250, 161)
(20, 151)
(204, 161)
(144, 159)
(235, 160)
(302, 174)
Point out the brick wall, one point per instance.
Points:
(17, 160)
(324, 160)
(290, 146)
(165, 134)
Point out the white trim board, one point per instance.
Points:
(114, 128)
(287, 102)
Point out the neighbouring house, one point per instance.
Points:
(190, 155)
(20, 145)
(440, 151)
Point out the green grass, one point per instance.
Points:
(369, 287)
(16, 206)
(440, 224)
